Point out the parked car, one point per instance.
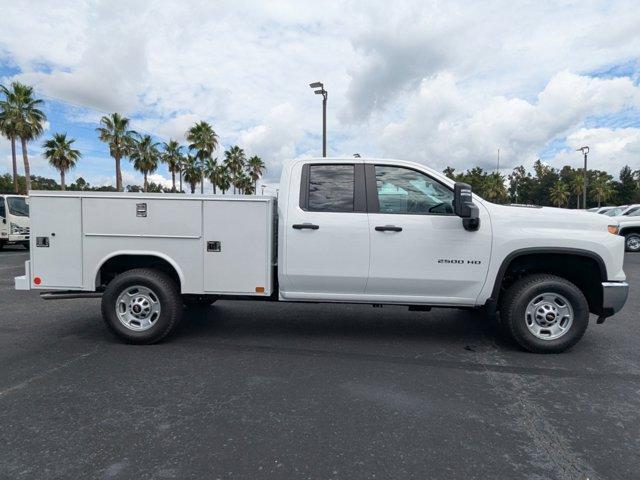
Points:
(346, 230)
(631, 210)
(14, 221)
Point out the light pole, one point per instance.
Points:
(319, 90)
(585, 151)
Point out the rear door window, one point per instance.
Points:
(331, 188)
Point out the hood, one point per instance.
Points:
(552, 217)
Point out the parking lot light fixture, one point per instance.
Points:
(318, 89)
(585, 151)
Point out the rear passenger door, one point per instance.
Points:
(326, 232)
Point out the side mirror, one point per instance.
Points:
(464, 207)
(4, 220)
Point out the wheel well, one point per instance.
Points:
(583, 271)
(625, 231)
(121, 263)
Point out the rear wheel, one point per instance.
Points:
(545, 313)
(141, 306)
(632, 242)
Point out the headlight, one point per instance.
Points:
(613, 229)
(17, 229)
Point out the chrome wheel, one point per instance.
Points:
(549, 316)
(633, 243)
(138, 308)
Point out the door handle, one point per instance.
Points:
(308, 226)
(388, 228)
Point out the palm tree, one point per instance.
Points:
(559, 194)
(145, 157)
(214, 172)
(602, 188)
(8, 129)
(203, 140)
(192, 171)
(577, 187)
(234, 160)
(20, 110)
(256, 168)
(224, 179)
(494, 189)
(172, 156)
(115, 132)
(61, 155)
(244, 184)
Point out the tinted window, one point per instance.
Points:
(406, 191)
(18, 206)
(634, 212)
(331, 188)
(3, 214)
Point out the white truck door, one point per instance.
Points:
(326, 232)
(419, 248)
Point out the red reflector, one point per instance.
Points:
(37, 280)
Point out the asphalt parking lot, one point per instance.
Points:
(255, 390)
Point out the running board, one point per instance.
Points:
(69, 295)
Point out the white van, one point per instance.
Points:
(14, 221)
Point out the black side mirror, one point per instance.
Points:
(464, 207)
(4, 220)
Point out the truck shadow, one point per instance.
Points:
(335, 322)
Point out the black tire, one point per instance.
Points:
(632, 242)
(1, 245)
(26, 246)
(165, 291)
(521, 293)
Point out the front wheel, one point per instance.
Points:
(141, 306)
(632, 242)
(545, 313)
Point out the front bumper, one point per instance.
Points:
(614, 296)
(17, 239)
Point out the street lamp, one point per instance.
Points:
(585, 151)
(319, 90)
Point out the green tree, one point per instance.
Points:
(61, 154)
(145, 156)
(602, 187)
(626, 188)
(494, 189)
(114, 131)
(214, 172)
(234, 160)
(192, 172)
(559, 194)
(255, 169)
(172, 156)
(577, 186)
(203, 140)
(8, 129)
(21, 109)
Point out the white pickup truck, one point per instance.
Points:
(348, 230)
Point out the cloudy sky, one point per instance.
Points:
(442, 83)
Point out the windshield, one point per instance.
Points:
(614, 212)
(18, 206)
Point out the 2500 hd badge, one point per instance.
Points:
(459, 262)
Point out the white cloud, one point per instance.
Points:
(448, 124)
(442, 82)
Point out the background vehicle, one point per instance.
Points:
(346, 230)
(630, 230)
(610, 210)
(14, 220)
